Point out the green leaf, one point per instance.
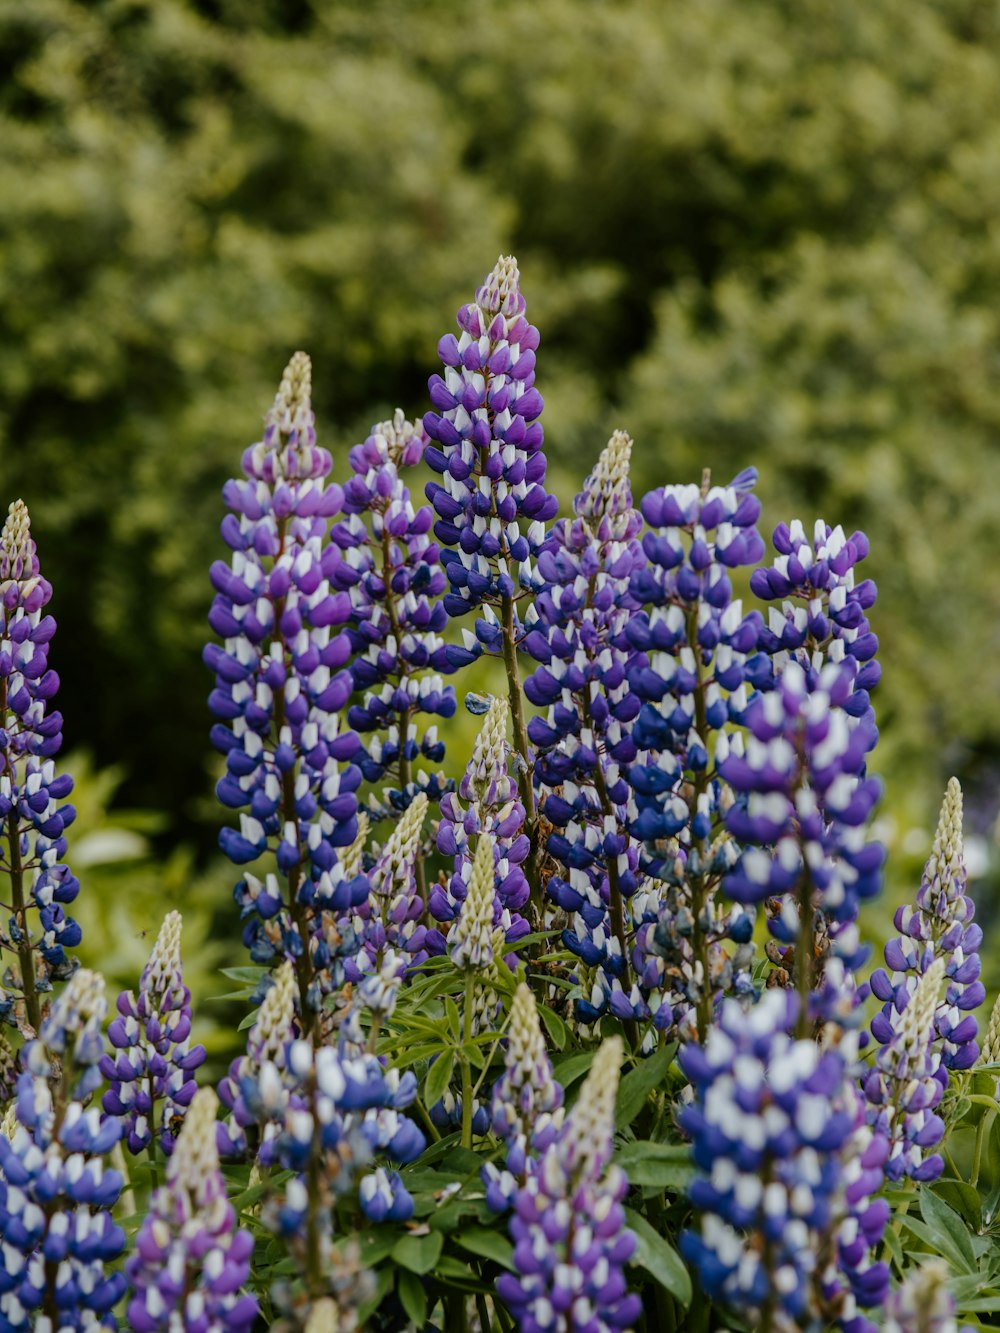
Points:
(419, 1254)
(248, 1021)
(636, 1086)
(454, 1019)
(554, 1026)
(568, 1070)
(376, 1244)
(413, 1295)
(964, 1198)
(946, 1221)
(438, 1078)
(251, 975)
(659, 1259)
(664, 1165)
(487, 1244)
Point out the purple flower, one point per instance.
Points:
(33, 819)
(788, 1170)
(940, 926)
(191, 1258)
(491, 502)
(390, 917)
(568, 1224)
(392, 571)
(922, 1302)
(279, 685)
(151, 1078)
(55, 1194)
(906, 1084)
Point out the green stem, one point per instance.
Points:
(315, 1285)
(470, 982)
(980, 1137)
(26, 957)
(804, 953)
(485, 1322)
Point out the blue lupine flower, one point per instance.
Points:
(491, 502)
(822, 615)
(55, 1194)
(688, 668)
(568, 1224)
(279, 684)
(940, 926)
(390, 917)
(191, 1258)
(906, 1083)
(33, 819)
(789, 1169)
(392, 571)
(151, 1078)
(806, 803)
(491, 808)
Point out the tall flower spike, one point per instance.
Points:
(151, 1078)
(279, 686)
(568, 1224)
(32, 819)
(55, 1194)
(267, 1043)
(392, 571)
(470, 940)
(940, 926)
(788, 1171)
(906, 1083)
(191, 1259)
(922, 1303)
(486, 803)
(491, 502)
(688, 669)
(583, 742)
(526, 1090)
(389, 919)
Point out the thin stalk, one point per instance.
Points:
(485, 1322)
(523, 747)
(25, 953)
(467, 1094)
(699, 944)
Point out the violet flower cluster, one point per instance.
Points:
(568, 1224)
(151, 1078)
(191, 1259)
(491, 503)
(56, 1195)
(939, 926)
(392, 570)
(280, 681)
(788, 1171)
(33, 815)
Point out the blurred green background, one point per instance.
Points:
(750, 231)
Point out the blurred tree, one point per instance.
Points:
(751, 231)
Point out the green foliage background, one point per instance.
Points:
(749, 230)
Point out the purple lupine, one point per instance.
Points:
(390, 917)
(151, 1077)
(486, 803)
(905, 1085)
(391, 568)
(279, 685)
(940, 926)
(922, 1303)
(822, 614)
(688, 667)
(568, 1224)
(491, 502)
(191, 1258)
(803, 818)
(32, 819)
(583, 743)
(55, 1194)
(788, 1170)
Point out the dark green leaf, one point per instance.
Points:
(487, 1244)
(413, 1295)
(659, 1259)
(418, 1253)
(251, 975)
(572, 1067)
(554, 1026)
(636, 1086)
(454, 1019)
(665, 1165)
(438, 1078)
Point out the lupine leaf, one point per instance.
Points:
(419, 1254)
(636, 1086)
(488, 1244)
(657, 1257)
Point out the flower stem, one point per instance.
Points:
(470, 983)
(523, 747)
(25, 954)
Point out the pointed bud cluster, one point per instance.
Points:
(568, 1224)
(939, 927)
(191, 1259)
(55, 1194)
(922, 1302)
(267, 1043)
(391, 570)
(280, 681)
(151, 1077)
(486, 804)
(491, 502)
(33, 818)
(788, 1171)
(470, 940)
(906, 1083)
(390, 917)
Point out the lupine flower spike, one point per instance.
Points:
(390, 916)
(568, 1225)
(470, 940)
(922, 1303)
(191, 1259)
(55, 1194)
(267, 1043)
(279, 686)
(33, 820)
(939, 927)
(152, 1076)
